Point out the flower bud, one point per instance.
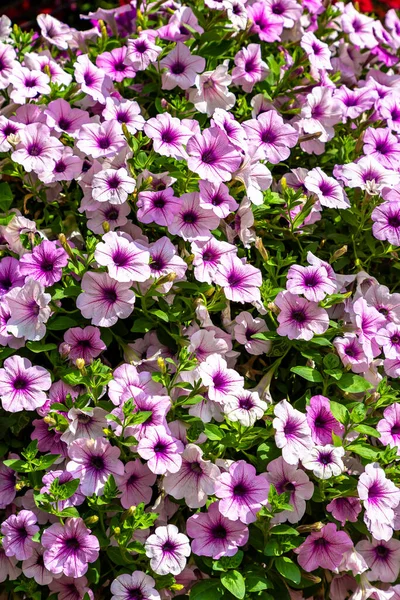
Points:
(117, 531)
(283, 183)
(64, 349)
(162, 365)
(80, 364)
(338, 254)
(106, 226)
(307, 528)
(50, 421)
(92, 520)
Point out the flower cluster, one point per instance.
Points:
(199, 322)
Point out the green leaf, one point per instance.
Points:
(339, 411)
(37, 347)
(367, 430)
(233, 581)
(69, 512)
(16, 465)
(308, 374)
(208, 589)
(256, 582)
(364, 450)
(6, 197)
(231, 562)
(160, 314)
(142, 326)
(44, 462)
(213, 432)
(283, 530)
(353, 384)
(120, 556)
(288, 569)
(66, 490)
(4, 221)
(60, 323)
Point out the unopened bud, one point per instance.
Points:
(64, 243)
(103, 29)
(80, 364)
(314, 527)
(161, 364)
(148, 181)
(117, 531)
(92, 520)
(13, 139)
(283, 183)
(176, 587)
(273, 308)
(338, 254)
(261, 248)
(164, 103)
(106, 226)
(209, 292)
(64, 349)
(166, 278)
(50, 421)
(19, 486)
(107, 432)
(125, 131)
(46, 70)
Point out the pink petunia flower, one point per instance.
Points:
(292, 432)
(169, 135)
(18, 531)
(240, 281)
(138, 585)
(215, 535)
(105, 300)
(192, 221)
(181, 68)
(271, 135)
(289, 479)
(321, 421)
(84, 343)
(125, 260)
(135, 484)
(168, 550)
(161, 451)
(379, 496)
(222, 382)
(212, 156)
(112, 185)
(324, 548)
(300, 319)
(23, 386)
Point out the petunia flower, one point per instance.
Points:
(271, 135)
(92, 461)
(135, 484)
(328, 191)
(379, 496)
(169, 135)
(168, 550)
(300, 319)
(93, 81)
(69, 548)
(382, 558)
(54, 31)
(240, 281)
(112, 185)
(134, 586)
(195, 480)
(292, 432)
(84, 343)
(214, 535)
(161, 451)
(212, 92)
(142, 51)
(45, 263)
(345, 509)
(181, 68)
(317, 51)
(386, 222)
(159, 206)
(324, 461)
(23, 385)
(324, 548)
(222, 382)
(27, 84)
(114, 64)
(389, 426)
(208, 255)
(33, 567)
(18, 531)
(192, 221)
(321, 421)
(289, 479)
(212, 156)
(250, 68)
(36, 148)
(242, 492)
(312, 281)
(61, 117)
(245, 407)
(104, 300)
(100, 140)
(125, 260)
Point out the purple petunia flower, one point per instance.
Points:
(250, 68)
(87, 423)
(222, 382)
(181, 68)
(93, 81)
(246, 407)
(216, 198)
(164, 259)
(125, 112)
(168, 550)
(44, 263)
(7, 485)
(69, 548)
(195, 480)
(33, 567)
(101, 140)
(61, 117)
(92, 462)
(10, 275)
(169, 135)
(114, 64)
(212, 156)
(321, 421)
(70, 588)
(271, 135)
(267, 26)
(328, 191)
(351, 353)
(345, 509)
(389, 426)
(8, 567)
(54, 31)
(208, 255)
(324, 461)
(125, 260)
(240, 281)
(242, 492)
(84, 343)
(324, 548)
(292, 432)
(142, 51)
(7, 64)
(192, 222)
(368, 174)
(161, 451)
(215, 535)
(112, 185)
(312, 281)
(386, 218)
(137, 586)
(300, 319)
(211, 91)
(383, 146)
(28, 83)
(159, 206)
(29, 310)
(105, 300)
(18, 531)
(318, 52)
(379, 496)
(382, 558)
(289, 479)
(135, 484)
(23, 386)
(247, 326)
(63, 477)
(36, 148)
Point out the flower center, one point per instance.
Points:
(110, 295)
(299, 316)
(240, 490)
(34, 149)
(219, 532)
(178, 68)
(382, 551)
(394, 221)
(97, 462)
(189, 217)
(135, 594)
(104, 142)
(20, 383)
(63, 123)
(208, 157)
(72, 543)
